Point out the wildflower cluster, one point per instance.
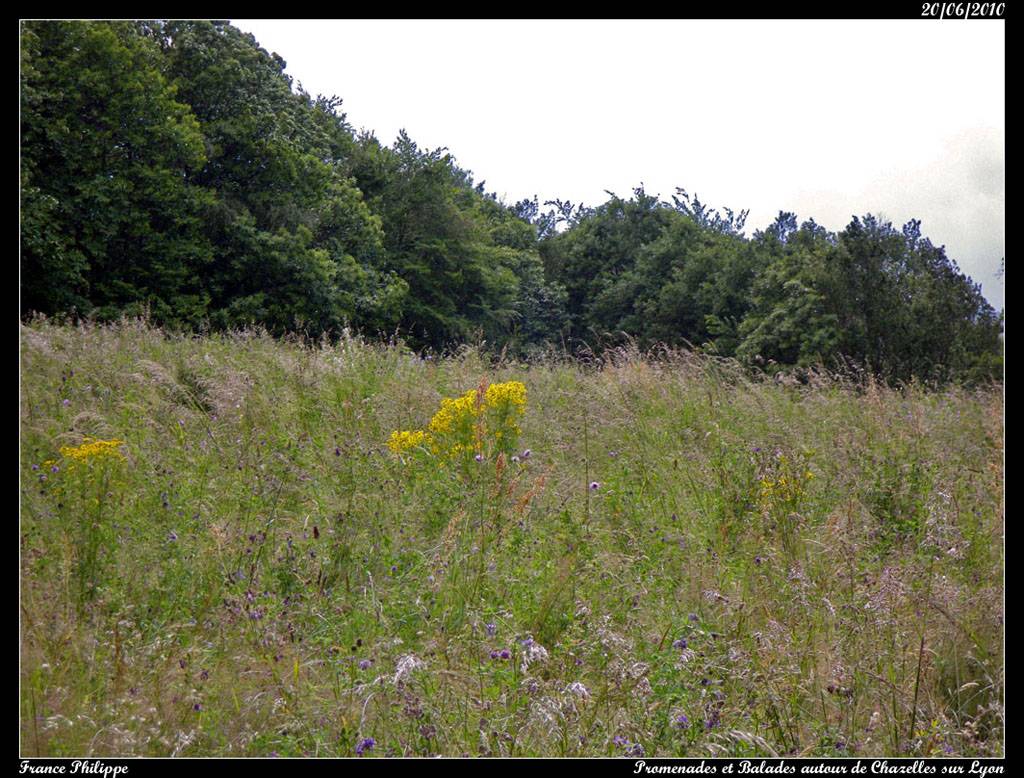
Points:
(506, 403)
(469, 424)
(93, 450)
(455, 428)
(405, 440)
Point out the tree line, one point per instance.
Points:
(173, 169)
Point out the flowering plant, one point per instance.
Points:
(479, 422)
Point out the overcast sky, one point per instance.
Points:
(824, 118)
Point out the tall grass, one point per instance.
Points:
(689, 562)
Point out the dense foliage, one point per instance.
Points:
(173, 168)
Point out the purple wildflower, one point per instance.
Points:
(172, 536)
(594, 486)
(67, 403)
(479, 457)
(505, 653)
(197, 707)
(619, 740)
(694, 618)
(365, 664)
(366, 744)
(682, 721)
(681, 643)
(492, 629)
(526, 454)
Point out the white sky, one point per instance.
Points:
(824, 118)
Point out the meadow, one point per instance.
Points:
(220, 554)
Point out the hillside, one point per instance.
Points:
(221, 554)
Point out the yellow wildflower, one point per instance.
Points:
(462, 424)
(93, 450)
(454, 413)
(405, 439)
(506, 404)
(510, 393)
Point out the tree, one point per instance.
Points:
(289, 221)
(174, 167)
(110, 219)
(790, 320)
(458, 250)
(599, 248)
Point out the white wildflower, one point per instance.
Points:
(533, 652)
(578, 689)
(546, 711)
(405, 665)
